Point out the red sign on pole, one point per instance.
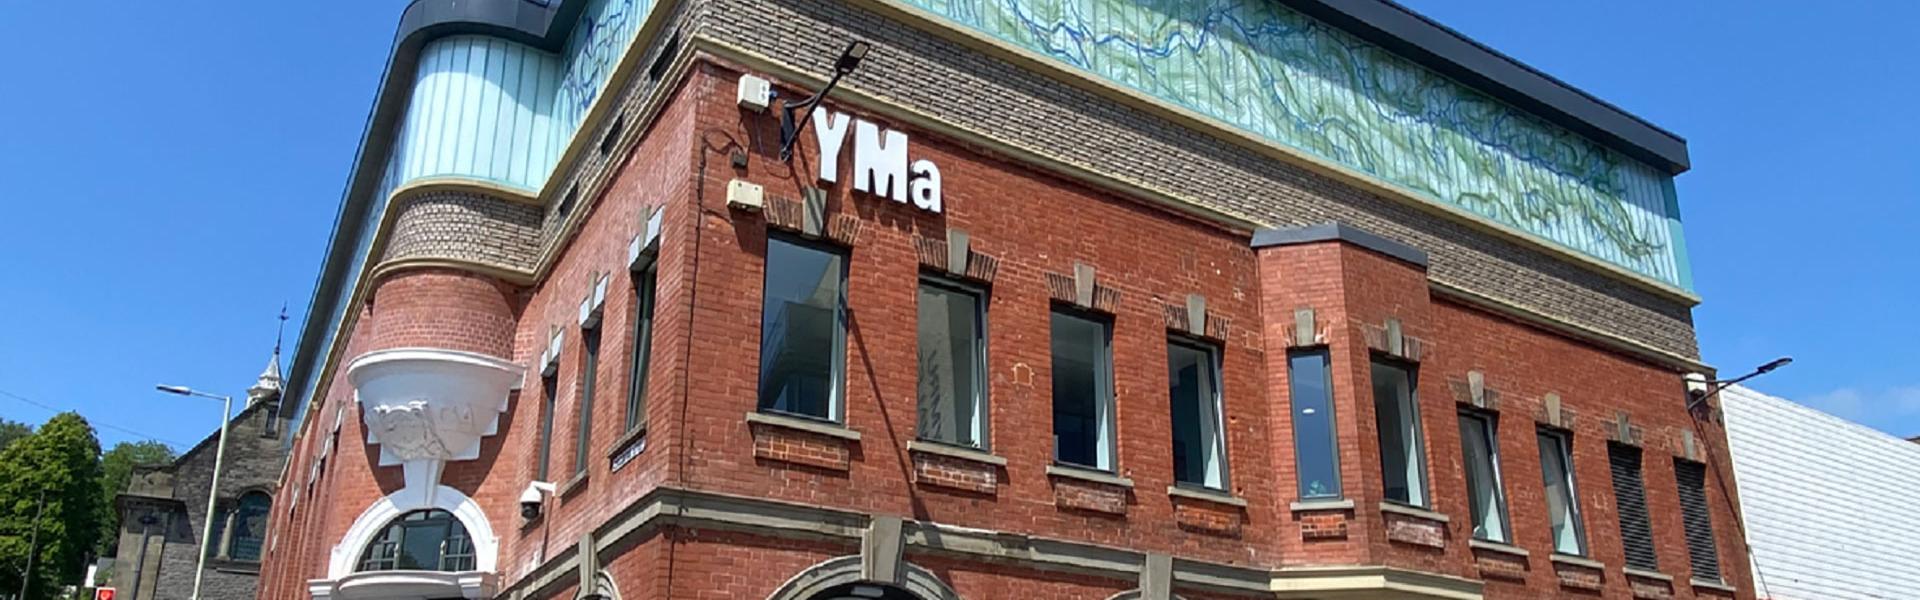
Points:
(105, 593)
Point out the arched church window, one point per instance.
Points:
(422, 540)
(249, 526)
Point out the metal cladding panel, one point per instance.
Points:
(1279, 74)
(1829, 504)
(482, 109)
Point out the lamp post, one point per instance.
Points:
(790, 126)
(1708, 387)
(213, 489)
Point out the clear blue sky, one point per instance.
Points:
(173, 169)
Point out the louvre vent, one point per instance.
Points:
(1630, 500)
(1692, 477)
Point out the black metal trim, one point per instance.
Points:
(1342, 232)
(1435, 46)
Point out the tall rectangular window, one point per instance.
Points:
(1702, 553)
(803, 330)
(1199, 438)
(1397, 414)
(642, 349)
(1082, 391)
(589, 368)
(1480, 446)
(550, 386)
(1630, 502)
(1563, 504)
(952, 362)
(1316, 450)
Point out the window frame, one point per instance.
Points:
(1564, 440)
(449, 522)
(1490, 434)
(550, 388)
(1417, 464)
(583, 404)
(982, 421)
(1214, 357)
(1104, 402)
(837, 371)
(641, 361)
(1332, 418)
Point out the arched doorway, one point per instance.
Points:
(865, 591)
(841, 579)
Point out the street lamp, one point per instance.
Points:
(790, 128)
(1696, 397)
(213, 489)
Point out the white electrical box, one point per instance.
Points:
(744, 195)
(755, 93)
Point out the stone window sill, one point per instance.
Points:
(825, 428)
(1578, 561)
(1645, 574)
(1498, 547)
(1711, 585)
(574, 485)
(1090, 475)
(1412, 511)
(627, 440)
(1321, 505)
(1214, 496)
(957, 452)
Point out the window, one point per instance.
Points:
(1397, 412)
(803, 330)
(248, 526)
(1199, 439)
(642, 349)
(1630, 502)
(424, 540)
(1701, 551)
(551, 387)
(952, 357)
(1315, 447)
(589, 367)
(1563, 505)
(1480, 444)
(1082, 391)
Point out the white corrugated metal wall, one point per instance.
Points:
(1832, 507)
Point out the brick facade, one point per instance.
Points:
(713, 499)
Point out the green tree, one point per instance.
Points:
(116, 470)
(11, 431)
(53, 474)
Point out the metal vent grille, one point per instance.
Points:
(1692, 478)
(1630, 501)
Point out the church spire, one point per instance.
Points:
(268, 387)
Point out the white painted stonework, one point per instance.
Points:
(342, 582)
(1832, 507)
(425, 406)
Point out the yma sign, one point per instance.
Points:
(880, 158)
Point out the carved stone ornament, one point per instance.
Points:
(427, 406)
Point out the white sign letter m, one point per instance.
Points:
(879, 163)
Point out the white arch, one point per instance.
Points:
(486, 546)
(832, 572)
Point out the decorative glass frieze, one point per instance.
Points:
(1283, 76)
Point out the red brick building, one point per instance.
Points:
(1002, 326)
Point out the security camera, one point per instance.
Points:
(532, 499)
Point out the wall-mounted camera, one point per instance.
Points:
(534, 498)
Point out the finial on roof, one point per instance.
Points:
(268, 386)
